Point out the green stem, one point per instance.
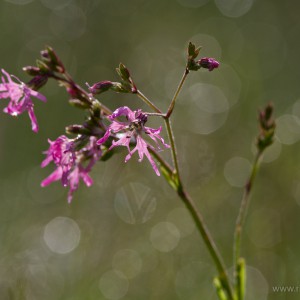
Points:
(189, 203)
(148, 102)
(209, 242)
(172, 104)
(173, 147)
(200, 224)
(243, 211)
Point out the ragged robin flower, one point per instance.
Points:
(71, 165)
(20, 98)
(131, 131)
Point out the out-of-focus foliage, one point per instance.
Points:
(128, 236)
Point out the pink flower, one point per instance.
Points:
(69, 163)
(132, 130)
(20, 98)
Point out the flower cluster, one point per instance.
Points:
(130, 131)
(71, 165)
(75, 158)
(20, 98)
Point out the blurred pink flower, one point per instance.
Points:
(69, 163)
(20, 98)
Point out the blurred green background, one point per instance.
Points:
(128, 236)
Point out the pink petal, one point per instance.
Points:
(34, 124)
(54, 176)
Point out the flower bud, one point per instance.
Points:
(267, 128)
(50, 58)
(37, 82)
(77, 129)
(32, 71)
(100, 87)
(79, 104)
(59, 67)
(208, 63)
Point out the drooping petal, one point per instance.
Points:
(37, 95)
(87, 179)
(124, 141)
(34, 124)
(54, 176)
(142, 148)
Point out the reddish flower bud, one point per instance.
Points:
(100, 87)
(208, 63)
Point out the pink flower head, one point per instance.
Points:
(20, 98)
(208, 63)
(132, 129)
(69, 163)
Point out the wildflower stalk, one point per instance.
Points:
(190, 204)
(264, 140)
(208, 240)
(188, 201)
(244, 207)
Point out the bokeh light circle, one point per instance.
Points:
(62, 235)
(234, 8)
(288, 129)
(113, 285)
(128, 262)
(273, 152)
(208, 108)
(236, 171)
(183, 221)
(211, 46)
(164, 236)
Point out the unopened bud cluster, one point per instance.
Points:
(205, 62)
(267, 128)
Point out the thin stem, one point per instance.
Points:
(172, 104)
(209, 242)
(148, 102)
(243, 210)
(173, 147)
(155, 114)
(189, 203)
